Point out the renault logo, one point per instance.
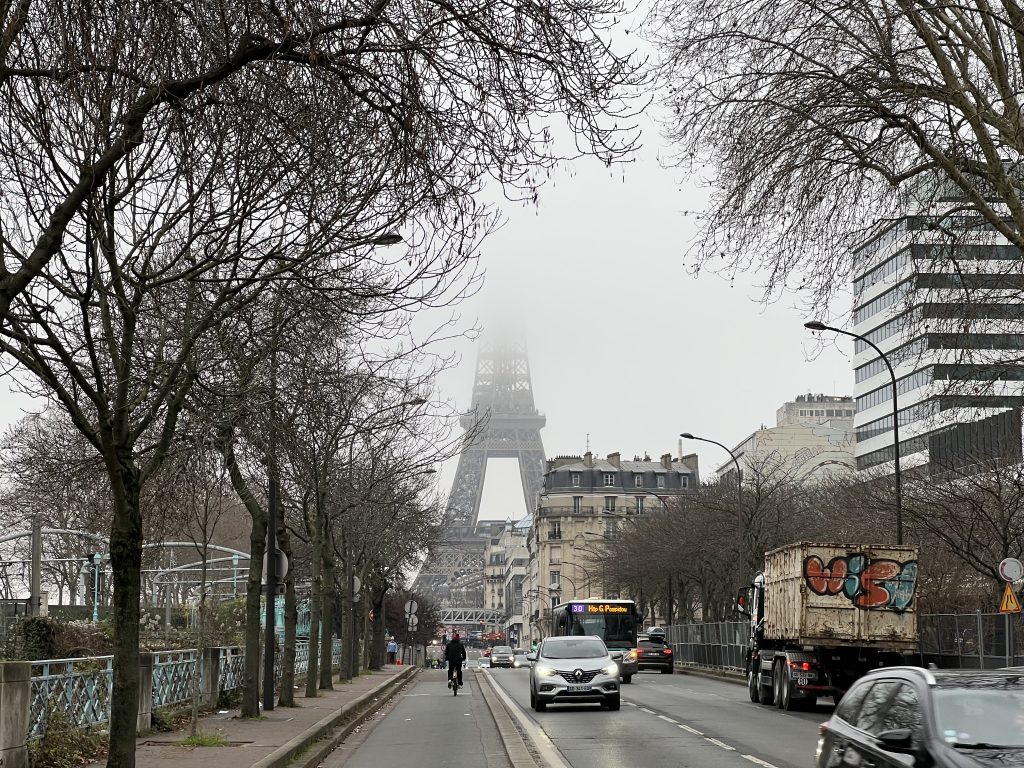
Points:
(578, 674)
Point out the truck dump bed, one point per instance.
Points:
(842, 595)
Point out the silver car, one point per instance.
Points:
(574, 669)
(501, 656)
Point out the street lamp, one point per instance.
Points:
(817, 325)
(739, 470)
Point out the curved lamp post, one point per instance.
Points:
(817, 325)
(739, 470)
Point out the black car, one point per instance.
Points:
(653, 652)
(900, 716)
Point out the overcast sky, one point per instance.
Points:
(627, 348)
(626, 345)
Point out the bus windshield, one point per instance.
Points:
(613, 629)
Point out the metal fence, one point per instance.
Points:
(78, 691)
(948, 640)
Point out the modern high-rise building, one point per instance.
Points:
(941, 297)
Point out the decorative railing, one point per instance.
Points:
(174, 673)
(78, 691)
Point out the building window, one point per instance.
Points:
(575, 479)
(555, 532)
(609, 479)
(577, 504)
(555, 579)
(609, 503)
(611, 529)
(638, 480)
(684, 481)
(661, 481)
(640, 504)
(556, 555)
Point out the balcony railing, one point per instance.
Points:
(557, 511)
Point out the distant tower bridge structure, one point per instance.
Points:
(503, 422)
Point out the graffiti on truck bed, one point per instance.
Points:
(882, 584)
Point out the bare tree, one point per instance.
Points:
(821, 118)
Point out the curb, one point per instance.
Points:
(542, 751)
(296, 751)
(515, 746)
(716, 674)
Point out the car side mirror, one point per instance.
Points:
(616, 657)
(531, 657)
(896, 740)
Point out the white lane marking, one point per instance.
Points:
(668, 720)
(758, 761)
(718, 743)
(644, 709)
(691, 730)
(629, 703)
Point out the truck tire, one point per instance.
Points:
(764, 693)
(777, 673)
(752, 686)
(784, 699)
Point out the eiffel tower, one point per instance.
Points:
(511, 424)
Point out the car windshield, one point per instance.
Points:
(581, 648)
(977, 717)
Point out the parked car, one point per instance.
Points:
(653, 652)
(940, 718)
(572, 670)
(519, 658)
(501, 656)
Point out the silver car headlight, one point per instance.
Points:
(612, 670)
(543, 670)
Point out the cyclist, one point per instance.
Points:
(455, 655)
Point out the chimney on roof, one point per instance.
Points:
(588, 459)
(615, 460)
(666, 460)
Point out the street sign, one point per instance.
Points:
(1009, 604)
(1011, 569)
(414, 620)
(410, 607)
(280, 566)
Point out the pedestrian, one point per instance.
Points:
(455, 655)
(392, 650)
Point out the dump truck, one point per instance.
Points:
(822, 615)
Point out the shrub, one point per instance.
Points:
(65, 745)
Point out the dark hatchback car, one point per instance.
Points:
(905, 716)
(653, 652)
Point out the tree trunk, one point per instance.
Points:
(378, 643)
(253, 616)
(316, 591)
(287, 696)
(126, 565)
(200, 640)
(327, 628)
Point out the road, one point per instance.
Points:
(677, 721)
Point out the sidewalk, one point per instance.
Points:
(249, 741)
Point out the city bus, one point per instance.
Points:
(614, 621)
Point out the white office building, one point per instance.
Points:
(942, 299)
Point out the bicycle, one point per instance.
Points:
(454, 681)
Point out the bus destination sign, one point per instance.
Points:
(598, 608)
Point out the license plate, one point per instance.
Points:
(580, 688)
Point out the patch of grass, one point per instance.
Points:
(204, 740)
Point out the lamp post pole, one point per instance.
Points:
(739, 470)
(815, 325)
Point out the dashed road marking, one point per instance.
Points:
(629, 703)
(668, 720)
(721, 744)
(648, 711)
(691, 730)
(758, 761)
